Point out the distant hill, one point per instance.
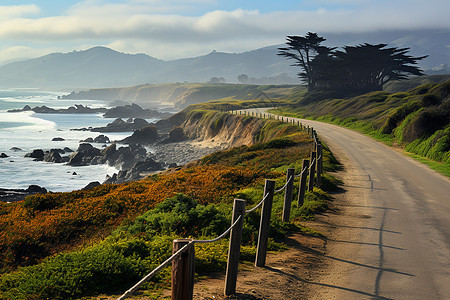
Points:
(101, 67)
(104, 67)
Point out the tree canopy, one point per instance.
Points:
(360, 68)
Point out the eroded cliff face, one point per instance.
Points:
(223, 128)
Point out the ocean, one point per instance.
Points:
(28, 131)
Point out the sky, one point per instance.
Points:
(171, 29)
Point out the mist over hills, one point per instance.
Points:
(104, 67)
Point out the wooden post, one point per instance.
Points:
(308, 130)
(312, 170)
(183, 271)
(302, 184)
(234, 248)
(263, 236)
(288, 194)
(319, 164)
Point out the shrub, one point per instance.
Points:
(399, 114)
(429, 100)
(181, 215)
(426, 123)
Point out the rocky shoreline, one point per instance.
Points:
(133, 161)
(151, 148)
(125, 111)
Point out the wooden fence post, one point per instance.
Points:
(288, 194)
(302, 185)
(183, 271)
(234, 248)
(319, 164)
(312, 170)
(263, 236)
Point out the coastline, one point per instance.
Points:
(173, 155)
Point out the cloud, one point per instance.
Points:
(157, 27)
(7, 12)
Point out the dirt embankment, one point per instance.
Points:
(223, 129)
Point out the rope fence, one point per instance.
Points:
(258, 205)
(220, 236)
(299, 175)
(285, 185)
(183, 256)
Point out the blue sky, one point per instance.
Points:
(169, 29)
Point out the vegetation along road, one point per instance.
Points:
(401, 249)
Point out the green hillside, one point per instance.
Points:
(417, 120)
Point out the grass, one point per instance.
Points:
(442, 168)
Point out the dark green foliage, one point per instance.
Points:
(399, 115)
(425, 123)
(356, 69)
(436, 147)
(41, 202)
(302, 50)
(429, 100)
(111, 266)
(274, 144)
(181, 215)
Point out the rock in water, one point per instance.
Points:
(35, 189)
(102, 139)
(146, 135)
(53, 156)
(91, 185)
(37, 153)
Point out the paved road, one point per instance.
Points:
(404, 248)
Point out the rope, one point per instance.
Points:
(302, 172)
(220, 236)
(259, 204)
(155, 271)
(312, 162)
(282, 188)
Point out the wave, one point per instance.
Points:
(24, 120)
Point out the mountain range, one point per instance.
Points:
(104, 67)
